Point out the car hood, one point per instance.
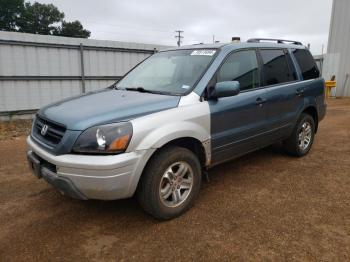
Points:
(106, 106)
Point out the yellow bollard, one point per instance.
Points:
(329, 86)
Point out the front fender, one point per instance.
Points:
(155, 130)
(162, 135)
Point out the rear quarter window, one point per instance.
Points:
(306, 63)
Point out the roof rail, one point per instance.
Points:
(279, 41)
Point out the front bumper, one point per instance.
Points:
(104, 177)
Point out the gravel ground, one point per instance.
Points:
(264, 206)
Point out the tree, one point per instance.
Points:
(40, 18)
(72, 29)
(10, 12)
(45, 19)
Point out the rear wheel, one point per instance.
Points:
(302, 138)
(170, 183)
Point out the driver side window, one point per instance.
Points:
(241, 66)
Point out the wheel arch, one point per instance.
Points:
(193, 144)
(312, 111)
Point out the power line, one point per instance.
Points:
(95, 22)
(149, 32)
(123, 26)
(179, 37)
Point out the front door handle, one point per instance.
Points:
(300, 92)
(260, 101)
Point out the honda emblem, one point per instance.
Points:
(44, 130)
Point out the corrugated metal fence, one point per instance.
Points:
(36, 70)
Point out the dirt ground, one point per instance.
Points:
(264, 206)
(14, 128)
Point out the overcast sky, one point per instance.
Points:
(154, 21)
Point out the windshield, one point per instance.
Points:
(171, 72)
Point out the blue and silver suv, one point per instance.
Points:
(175, 115)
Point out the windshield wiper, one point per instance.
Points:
(142, 90)
(139, 89)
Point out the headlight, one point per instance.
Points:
(105, 139)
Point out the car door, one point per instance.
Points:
(238, 122)
(282, 92)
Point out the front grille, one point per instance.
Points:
(53, 134)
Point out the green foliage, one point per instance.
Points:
(72, 29)
(36, 18)
(39, 18)
(10, 12)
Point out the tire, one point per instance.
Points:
(298, 147)
(153, 191)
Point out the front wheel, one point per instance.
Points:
(170, 183)
(302, 138)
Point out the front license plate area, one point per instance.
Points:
(34, 164)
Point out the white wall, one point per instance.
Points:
(339, 46)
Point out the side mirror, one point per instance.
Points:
(225, 89)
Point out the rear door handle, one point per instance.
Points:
(300, 92)
(260, 101)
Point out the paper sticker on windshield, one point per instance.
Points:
(185, 87)
(207, 52)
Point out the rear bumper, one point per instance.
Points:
(90, 177)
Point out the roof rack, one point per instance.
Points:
(279, 41)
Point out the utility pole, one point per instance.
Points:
(179, 37)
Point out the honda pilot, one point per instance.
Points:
(174, 116)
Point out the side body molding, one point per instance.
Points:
(191, 119)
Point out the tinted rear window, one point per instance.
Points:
(275, 67)
(307, 64)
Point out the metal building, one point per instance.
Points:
(36, 70)
(337, 60)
